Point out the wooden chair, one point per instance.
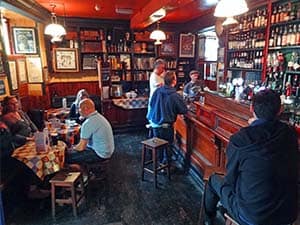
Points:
(154, 145)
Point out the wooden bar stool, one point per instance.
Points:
(154, 145)
(71, 182)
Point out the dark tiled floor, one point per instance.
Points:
(124, 199)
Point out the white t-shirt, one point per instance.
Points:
(155, 80)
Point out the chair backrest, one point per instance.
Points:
(37, 117)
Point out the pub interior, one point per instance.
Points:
(79, 74)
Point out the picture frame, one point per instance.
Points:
(22, 71)
(34, 69)
(65, 60)
(13, 75)
(187, 45)
(24, 40)
(168, 49)
(2, 69)
(4, 89)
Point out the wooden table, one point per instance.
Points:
(41, 163)
(61, 113)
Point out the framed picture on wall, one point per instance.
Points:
(24, 40)
(34, 69)
(65, 60)
(22, 72)
(168, 49)
(2, 70)
(13, 75)
(4, 90)
(187, 46)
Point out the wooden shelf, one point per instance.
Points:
(248, 30)
(292, 72)
(284, 47)
(245, 50)
(244, 69)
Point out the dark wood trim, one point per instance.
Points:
(28, 8)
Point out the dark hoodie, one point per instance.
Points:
(262, 173)
(165, 105)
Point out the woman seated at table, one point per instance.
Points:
(74, 110)
(13, 167)
(17, 121)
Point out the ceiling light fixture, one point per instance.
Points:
(54, 29)
(158, 35)
(126, 11)
(228, 8)
(158, 14)
(97, 7)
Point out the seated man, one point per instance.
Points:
(260, 186)
(192, 89)
(96, 137)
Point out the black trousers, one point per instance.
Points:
(83, 157)
(166, 133)
(214, 192)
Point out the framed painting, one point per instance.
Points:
(2, 70)
(13, 75)
(65, 60)
(34, 69)
(4, 90)
(22, 71)
(168, 49)
(24, 40)
(187, 46)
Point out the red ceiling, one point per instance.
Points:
(177, 10)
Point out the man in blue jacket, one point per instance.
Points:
(165, 105)
(260, 185)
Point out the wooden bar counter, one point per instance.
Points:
(202, 136)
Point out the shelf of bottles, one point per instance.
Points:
(246, 41)
(283, 61)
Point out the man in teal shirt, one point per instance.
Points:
(96, 136)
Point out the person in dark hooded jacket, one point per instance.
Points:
(260, 185)
(165, 105)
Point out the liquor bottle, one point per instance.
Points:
(278, 14)
(293, 13)
(109, 41)
(298, 36)
(289, 35)
(282, 13)
(293, 35)
(271, 41)
(273, 17)
(284, 37)
(279, 37)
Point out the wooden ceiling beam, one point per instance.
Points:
(142, 20)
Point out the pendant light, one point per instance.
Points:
(158, 35)
(230, 8)
(54, 29)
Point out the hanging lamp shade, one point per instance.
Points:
(158, 35)
(230, 8)
(54, 29)
(229, 21)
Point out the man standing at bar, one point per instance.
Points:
(156, 78)
(96, 136)
(260, 186)
(165, 105)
